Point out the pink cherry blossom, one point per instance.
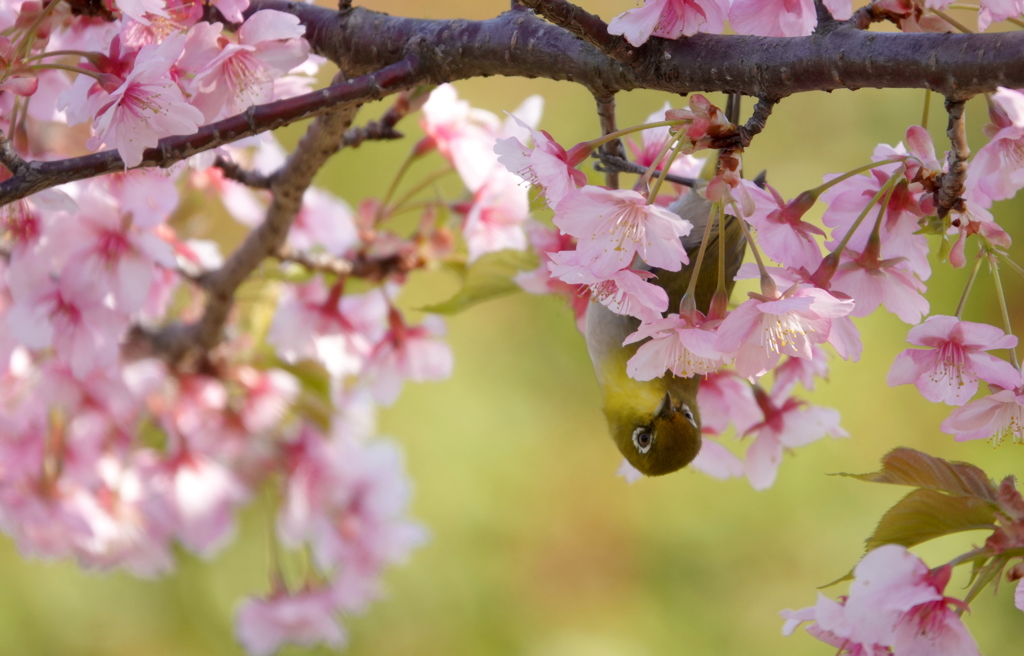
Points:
(268, 396)
(949, 369)
(231, 77)
(109, 252)
(1018, 596)
(546, 241)
(898, 232)
(23, 221)
(831, 627)
(495, 220)
(717, 461)
(788, 423)
(896, 606)
(840, 9)
(871, 282)
(69, 314)
(324, 221)
(998, 416)
(762, 329)
(141, 10)
(996, 11)
(653, 142)
(628, 472)
(896, 600)
(974, 220)
(42, 511)
(682, 344)
(781, 232)
(204, 495)
(670, 19)
(614, 225)
(801, 370)
(996, 171)
(147, 106)
(337, 330)
(349, 500)
(624, 292)
(130, 522)
(547, 164)
(232, 9)
(724, 398)
(463, 135)
(415, 353)
(304, 618)
(773, 17)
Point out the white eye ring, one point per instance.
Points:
(689, 415)
(643, 439)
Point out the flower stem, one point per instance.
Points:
(952, 21)
(63, 67)
(59, 53)
(970, 284)
(1013, 265)
(768, 287)
(692, 287)
(611, 136)
(927, 105)
(817, 191)
(423, 184)
(1001, 296)
(655, 163)
(25, 45)
(886, 189)
(665, 164)
(409, 159)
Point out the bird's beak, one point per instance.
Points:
(666, 406)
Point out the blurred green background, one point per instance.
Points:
(537, 548)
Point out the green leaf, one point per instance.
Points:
(488, 278)
(905, 466)
(926, 514)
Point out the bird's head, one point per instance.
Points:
(657, 440)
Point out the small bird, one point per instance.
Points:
(656, 424)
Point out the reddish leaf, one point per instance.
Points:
(926, 514)
(1010, 500)
(905, 466)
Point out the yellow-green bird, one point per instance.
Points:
(656, 423)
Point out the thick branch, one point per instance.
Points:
(518, 44)
(950, 193)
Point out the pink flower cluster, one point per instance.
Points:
(896, 606)
(672, 19)
(611, 243)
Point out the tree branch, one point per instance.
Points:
(950, 192)
(519, 44)
(606, 115)
(234, 171)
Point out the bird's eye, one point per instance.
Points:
(689, 415)
(643, 438)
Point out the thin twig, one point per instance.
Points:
(606, 114)
(621, 165)
(234, 171)
(757, 121)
